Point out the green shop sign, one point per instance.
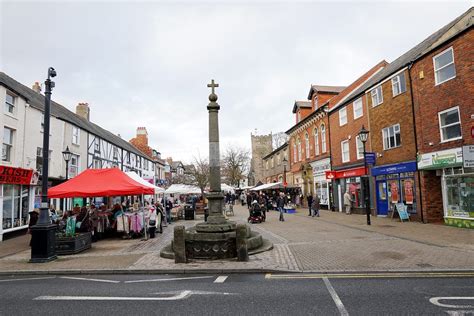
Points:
(441, 159)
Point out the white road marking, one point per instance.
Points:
(180, 296)
(92, 280)
(174, 297)
(221, 279)
(435, 301)
(459, 313)
(173, 279)
(335, 298)
(27, 279)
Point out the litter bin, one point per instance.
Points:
(188, 212)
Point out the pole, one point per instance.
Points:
(67, 178)
(366, 188)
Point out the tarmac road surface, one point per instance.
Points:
(239, 294)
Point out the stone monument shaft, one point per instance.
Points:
(215, 195)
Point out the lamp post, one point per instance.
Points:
(363, 136)
(43, 238)
(67, 155)
(285, 161)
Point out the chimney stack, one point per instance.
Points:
(82, 109)
(36, 87)
(142, 135)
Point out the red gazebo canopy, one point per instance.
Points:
(99, 182)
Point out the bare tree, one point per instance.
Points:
(279, 139)
(198, 173)
(235, 164)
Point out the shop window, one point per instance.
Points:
(377, 96)
(316, 141)
(357, 107)
(75, 135)
(7, 144)
(360, 148)
(323, 138)
(399, 84)
(15, 206)
(343, 116)
(391, 137)
(306, 147)
(444, 66)
(450, 124)
(10, 103)
(345, 151)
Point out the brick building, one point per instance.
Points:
(443, 94)
(309, 148)
(347, 115)
(273, 164)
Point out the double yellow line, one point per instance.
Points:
(460, 274)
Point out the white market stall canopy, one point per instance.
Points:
(246, 188)
(140, 180)
(227, 188)
(183, 189)
(266, 186)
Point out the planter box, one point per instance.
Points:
(73, 245)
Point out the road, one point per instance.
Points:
(238, 294)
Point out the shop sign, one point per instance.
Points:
(468, 156)
(399, 168)
(320, 168)
(10, 175)
(440, 159)
(345, 173)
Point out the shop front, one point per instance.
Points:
(457, 184)
(395, 184)
(348, 179)
(321, 184)
(16, 199)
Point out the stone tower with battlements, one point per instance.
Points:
(261, 146)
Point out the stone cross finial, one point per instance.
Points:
(213, 85)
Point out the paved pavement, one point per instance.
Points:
(334, 242)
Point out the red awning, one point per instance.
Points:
(99, 182)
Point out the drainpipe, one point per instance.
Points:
(416, 141)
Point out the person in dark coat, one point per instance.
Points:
(280, 205)
(309, 198)
(249, 200)
(34, 215)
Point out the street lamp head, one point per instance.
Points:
(51, 72)
(285, 161)
(67, 154)
(363, 134)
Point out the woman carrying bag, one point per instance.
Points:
(152, 221)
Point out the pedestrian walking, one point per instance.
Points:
(347, 202)
(249, 200)
(151, 217)
(309, 198)
(315, 206)
(280, 205)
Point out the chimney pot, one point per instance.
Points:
(36, 87)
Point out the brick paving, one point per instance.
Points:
(332, 242)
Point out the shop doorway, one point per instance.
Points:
(382, 203)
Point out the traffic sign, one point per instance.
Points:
(370, 158)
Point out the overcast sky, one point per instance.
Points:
(148, 63)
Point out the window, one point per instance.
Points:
(96, 164)
(39, 159)
(97, 146)
(75, 135)
(306, 147)
(278, 160)
(298, 116)
(360, 148)
(377, 97)
(15, 205)
(7, 144)
(266, 164)
(299, 149)
(398, 84)
(391, 137)
(294, 151)
(10, 103)
(323, 138)
(357, 105)
(73, 166)
(316, 141)
(444, 66)
(116, 154)
(273, 162)
(342, 116)
(146, 164)
(345, 151)
(450, 124)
